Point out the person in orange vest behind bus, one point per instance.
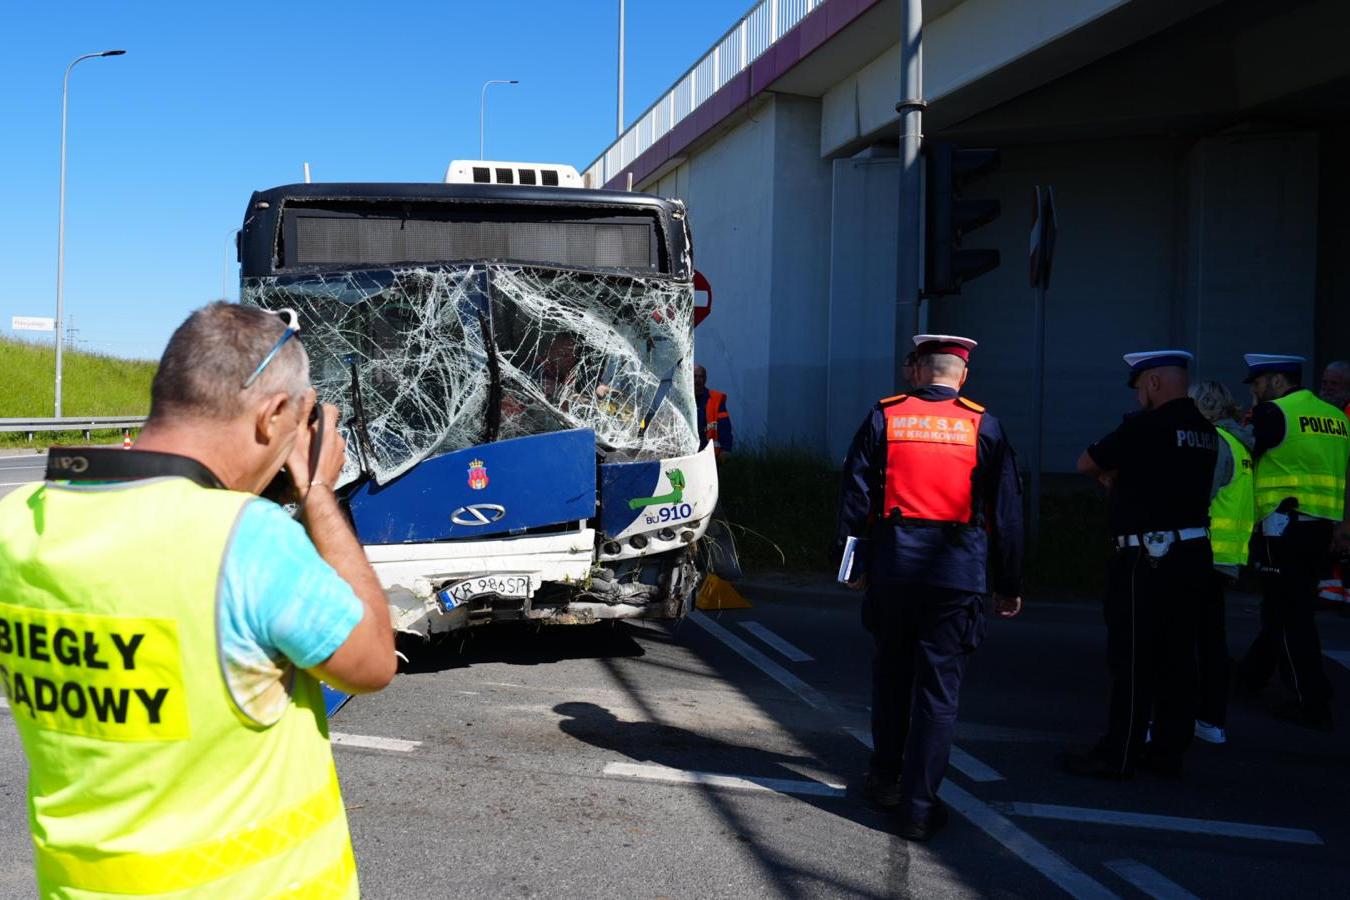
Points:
(930, 489)
(714, 422)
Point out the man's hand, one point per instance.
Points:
(1006, 606)
(859, 584)
(331, 453)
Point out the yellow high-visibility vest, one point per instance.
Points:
(145, 778)
(1232, 514)
(1309, 464)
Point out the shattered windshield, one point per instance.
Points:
(425, 360)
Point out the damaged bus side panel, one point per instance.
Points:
(513, 367)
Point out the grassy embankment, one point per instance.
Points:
(94, 385)
(781, 505)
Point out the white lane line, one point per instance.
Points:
(962, 761)
(1164, 823)
(369, 742)
(1074, 881)
(1149, 880)
(792, 652)
(810, 695)
(732, 782)
(1341, 656)
(15, 483)
(971, 767)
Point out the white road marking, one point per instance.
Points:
(792, 652)
(16, 483)
(962, 761)
(810, 695)
(971, 767)
(1074, 881)
(732, 782)
(370, 742)
(1341, 656)
(1032, 852)
(1164, 823)
(1149, 880)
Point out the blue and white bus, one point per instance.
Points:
(512, 355)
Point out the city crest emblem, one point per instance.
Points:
(478, 476)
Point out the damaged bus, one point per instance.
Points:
(512, 355)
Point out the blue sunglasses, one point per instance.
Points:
(292, 329)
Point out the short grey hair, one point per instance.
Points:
(945, 365)
(209, 357)
(1214, 400)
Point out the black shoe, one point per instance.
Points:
(1317, 718)
(922, 831)
(882, 791)
(1093, 765)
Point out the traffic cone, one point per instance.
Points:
(719, 594)
(126, 440)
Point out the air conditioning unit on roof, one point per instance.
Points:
(485, 171)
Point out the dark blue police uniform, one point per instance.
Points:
(924, 604)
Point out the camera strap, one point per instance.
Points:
(116, 464)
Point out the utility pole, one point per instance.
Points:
(619, 131)
(910, 232)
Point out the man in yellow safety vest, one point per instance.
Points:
(162, 630)
(1302, 450)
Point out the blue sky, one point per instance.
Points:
(214, 101)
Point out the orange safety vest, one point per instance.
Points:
(932, 449)
(714, 412)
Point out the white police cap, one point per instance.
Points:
(1155, 359)
(944, 343)
(1268, 363)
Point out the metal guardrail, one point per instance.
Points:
(72, 423)
(757, 31)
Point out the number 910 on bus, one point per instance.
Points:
(675, 512)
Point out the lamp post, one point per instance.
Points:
(61, 218)
(619, 131)
(482, 108)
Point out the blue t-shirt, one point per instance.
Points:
(280, 607)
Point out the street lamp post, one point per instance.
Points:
(61, 218)
(619, 130)
(482, 108)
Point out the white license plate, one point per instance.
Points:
(515, 586)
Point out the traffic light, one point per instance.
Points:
(949, 216)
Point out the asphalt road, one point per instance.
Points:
(21, 469)
(703, 760)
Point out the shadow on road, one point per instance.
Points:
(519, 645)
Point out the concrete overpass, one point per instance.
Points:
(1195, 148)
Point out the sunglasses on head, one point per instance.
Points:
(292, 329)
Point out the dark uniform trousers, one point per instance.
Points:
(1211, 650)
(923, 636)
(1152, 609)
(1290, 568)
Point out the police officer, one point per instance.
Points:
(931, 482)
(1302, 450)
(1159, 466)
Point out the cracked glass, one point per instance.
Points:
(423, 360)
